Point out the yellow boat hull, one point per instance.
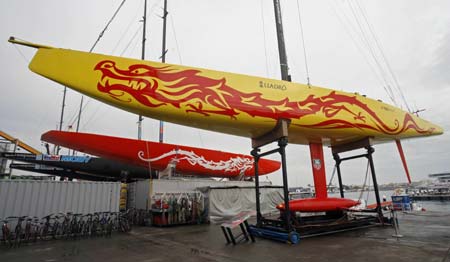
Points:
(228, 103)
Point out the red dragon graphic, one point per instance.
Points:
(188, 88)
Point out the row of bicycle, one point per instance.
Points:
(64, 226)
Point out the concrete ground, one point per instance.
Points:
(426, 238)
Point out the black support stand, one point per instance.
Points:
(367, 144)
(278, 134)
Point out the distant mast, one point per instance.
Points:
(61, 120)
(144, 20)
(163, 60)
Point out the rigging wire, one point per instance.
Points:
(383, 56)
(107, 25)
(46, 113)
(364, 43)
(150, 181)
(21, 53)
(264, 37)
(132, 21)
(332, 176)
(93, 115)
(90, 50)
(351, 31)
(201, 138)
(75, 116)
(357, 45)
(304, 46)
(136, 44)
(176, 41)
(368, 191)
(364, 184)
(368, 45)
(131, 40)
(372, 51)
(370, 40)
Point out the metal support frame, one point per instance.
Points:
(367, 144)
(338, 169)
(278, 134)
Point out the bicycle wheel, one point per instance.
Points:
(28, 230)
(6, 236)
(94, 228)
(18, 235)
(65, 230)
(56, 230)
(35, 232)
(10, 238)
(75, 229)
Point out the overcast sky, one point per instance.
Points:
(239, 36)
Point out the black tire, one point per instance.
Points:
(18, 235)
(56, 230)
(7, 236)
(10, 239)
(94, 229)
(35, 233)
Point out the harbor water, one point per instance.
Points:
(369, 198)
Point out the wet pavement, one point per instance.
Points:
(426, 237)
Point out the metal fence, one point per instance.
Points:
(41, 198)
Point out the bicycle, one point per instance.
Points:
(81, 225)
(95, 224)
(58, 227)
(47, 228)
(87, 226)
(7, 237)
(124, 223)
(19, 231)
(109, 224)
(31, 229)
(104, 221)
(113, 222)
(75, 225)
(66, 225)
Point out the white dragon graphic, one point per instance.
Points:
(233, 164)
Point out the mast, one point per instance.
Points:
(281, 46)
(144, 20)
(283, 141)
(62, 114)
(163, 60)
(79, 114)
(79, 119)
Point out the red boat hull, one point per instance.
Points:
(157, 156)
(319, 204)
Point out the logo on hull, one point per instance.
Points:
(317, 163)
(234, 164)
(281, 87)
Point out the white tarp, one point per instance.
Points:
(225, 203)
(224, 199)
(138, 192)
